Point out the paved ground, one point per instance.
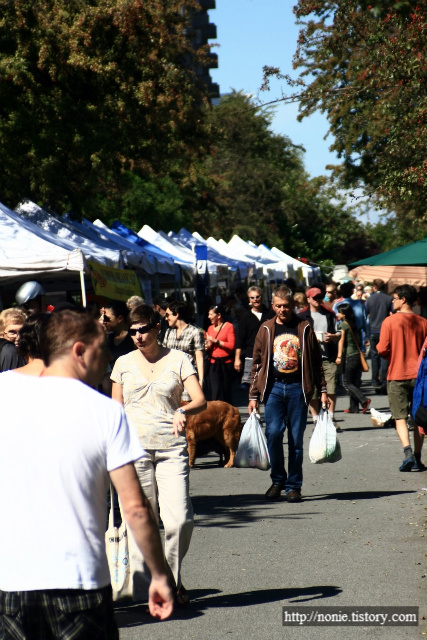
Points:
(357, 539)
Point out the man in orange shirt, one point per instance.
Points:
(401, 339)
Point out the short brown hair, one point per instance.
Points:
(142, 313)
(282, 292)
(379, 284)
(63, 329)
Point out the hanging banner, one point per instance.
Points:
(201, 252)
(115, 284)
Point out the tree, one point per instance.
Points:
(95, 96)
(366, 68)
(263, 193)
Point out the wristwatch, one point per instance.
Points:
(181, 411)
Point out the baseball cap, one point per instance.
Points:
(313, 292)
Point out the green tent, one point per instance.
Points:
(414, 254)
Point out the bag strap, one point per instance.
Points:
(217, 333)
(111, 516)
(355, 341)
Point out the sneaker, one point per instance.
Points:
(419, 466)
(407, 464)
(294, 495)
(337, 427)
(366, 405)
(274, 492)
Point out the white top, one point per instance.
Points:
(150, 405)
(58, 440)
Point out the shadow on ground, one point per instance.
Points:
(240, 510)
(133, 615)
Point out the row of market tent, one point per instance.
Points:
(117, 262)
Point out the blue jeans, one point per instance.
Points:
(285, 407)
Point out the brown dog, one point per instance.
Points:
(220, 421)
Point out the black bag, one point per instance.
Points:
(421, 417)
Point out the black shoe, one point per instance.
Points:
(294, 496)
(419, 466)
(274, 492)
(407, 464)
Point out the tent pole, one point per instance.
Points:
(82, 284)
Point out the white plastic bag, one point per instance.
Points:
(379, 418)
(252, 450)
(117, 550)
(324, 445)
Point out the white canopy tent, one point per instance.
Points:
(297, 264)
(66, 237)
(134, 256)
(271, 269)
(27, 252)
(180, 254)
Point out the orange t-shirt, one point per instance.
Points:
(401, 339)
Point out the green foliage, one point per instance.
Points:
(366, 68)
(91, 91)
(263, 193)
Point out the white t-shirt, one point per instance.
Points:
(258, 314)
(150, 405)
(58, 440)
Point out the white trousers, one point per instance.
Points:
(164, 478)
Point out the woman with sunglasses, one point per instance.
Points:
(220, 343)
(149, 383)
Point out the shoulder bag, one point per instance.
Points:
(364, 364)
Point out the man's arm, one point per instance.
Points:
(238, 360)
(200, 364)
(384, 345)
(256, 364)
(140, 518)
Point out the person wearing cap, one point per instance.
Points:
(30, 296)
(323, 322)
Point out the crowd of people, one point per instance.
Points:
(120, 380)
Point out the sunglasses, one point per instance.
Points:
(254, 297)
(141, 330)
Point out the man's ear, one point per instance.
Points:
(78, 350)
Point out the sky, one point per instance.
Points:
(254, 33)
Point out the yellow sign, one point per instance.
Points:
(116, 284)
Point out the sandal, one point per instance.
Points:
(181, 596)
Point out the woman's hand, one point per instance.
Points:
(179, 422)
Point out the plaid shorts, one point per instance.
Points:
(68, 614)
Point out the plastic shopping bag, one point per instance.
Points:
(117, 549)
(324, 445)
(252, 450)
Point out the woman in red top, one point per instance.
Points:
(220, 342)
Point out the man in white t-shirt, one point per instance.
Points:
(61, 443)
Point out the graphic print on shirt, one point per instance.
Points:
(286, 353)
